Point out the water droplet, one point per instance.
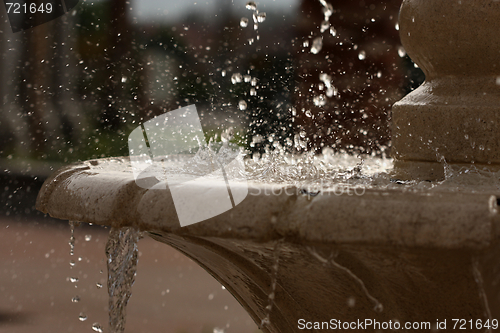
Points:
(242, 105)
(401, 51)
(72, 263)
(305, 43)
(247, 78)
(75, 299)
(82, 316)
(498, 80)
(362, 55)
(97, 327)
(88, 238)
(333, 32)
(223, 73)
(317, 45)
(325, 77)
(261, 17)
(253, 82)
(253, 92)
(218, 330)
(236, 78)
(397, 26)
(319, 100)
(251, 5)
(210, 297)
(244, 22)
(328, 10)
(331, 91)
(324, 26)
(98, 285)
(73, 279)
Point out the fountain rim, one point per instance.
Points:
(86, 192)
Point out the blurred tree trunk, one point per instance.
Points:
(32, 86)
(122, 66)
(65, 77)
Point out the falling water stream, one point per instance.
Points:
(122, 257)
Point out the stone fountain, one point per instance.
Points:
(296, 260)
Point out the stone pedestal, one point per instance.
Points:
(454, 117)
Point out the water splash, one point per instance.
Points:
(378, 307)
(122, 255)
(274, 280)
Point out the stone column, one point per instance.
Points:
(454, 117)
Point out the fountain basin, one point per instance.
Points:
(384, 255)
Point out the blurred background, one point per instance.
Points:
(298, 75)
